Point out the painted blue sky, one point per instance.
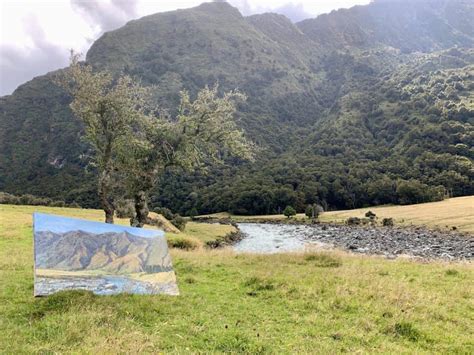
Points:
(59, 224)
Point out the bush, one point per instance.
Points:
(183, 243)
(8, 199)
(289, 211)
(27, 199)
(387, 222)
(177, 220)
(165, 212)
(353, 221)
(370, 215)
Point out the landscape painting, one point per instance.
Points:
(103, 258)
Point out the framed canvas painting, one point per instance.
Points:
(103, 258)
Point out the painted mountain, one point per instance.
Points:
(362, 106)
(112, 252)
(106, 259)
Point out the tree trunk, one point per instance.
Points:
(141, 209)
(109, 215)
(105, 199)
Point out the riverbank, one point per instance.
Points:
(444, 215)
(383, 241)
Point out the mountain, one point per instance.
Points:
(112, 252)
(367, 105)
(407, 26)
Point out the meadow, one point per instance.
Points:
(455, 212)
(287, 303)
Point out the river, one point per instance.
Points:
(389, 242)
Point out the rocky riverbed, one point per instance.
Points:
(389, 242)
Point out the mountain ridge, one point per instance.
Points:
(318, 102)
(113, 252)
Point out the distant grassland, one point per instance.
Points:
(454, 212)
(240, 303)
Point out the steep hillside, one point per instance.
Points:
(408, 26)
(366, 105)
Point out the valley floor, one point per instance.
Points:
(285, 303)
(455, 212)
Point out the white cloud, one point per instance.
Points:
(36, 35)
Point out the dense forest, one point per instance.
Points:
(362, 106)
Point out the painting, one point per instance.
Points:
(103, 258)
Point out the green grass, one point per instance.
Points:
(286, 303)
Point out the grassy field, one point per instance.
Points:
(454, 212)
(287, 303)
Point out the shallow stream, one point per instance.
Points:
(273, 238)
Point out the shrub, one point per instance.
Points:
(353, 221)
(370, 215)
(165, 212)
(183, 243)
(177, 220)
(8, 199)
(387, 222)
(27, 199)
(58, 204)
(289, 211)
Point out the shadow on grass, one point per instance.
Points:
(60, 302)
(323, 260)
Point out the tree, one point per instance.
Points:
(109, 108)
(313, 211)
(204, 132)
(289, 211)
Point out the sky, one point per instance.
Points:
(58, 224)
(37, 35)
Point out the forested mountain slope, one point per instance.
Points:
(372, 104)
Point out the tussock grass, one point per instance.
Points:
(242, 303)
(454, 212)
(184, 243)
